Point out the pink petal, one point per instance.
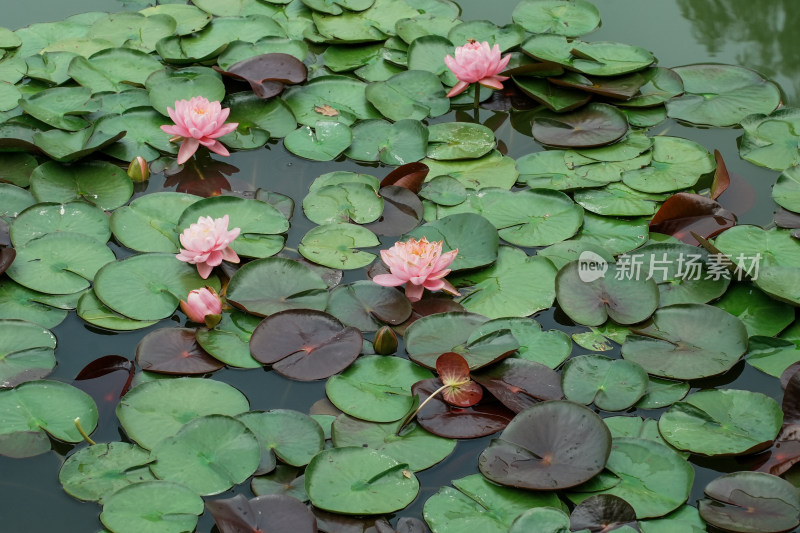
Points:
(204, 269)
(413, 292)
(229, 255)
(388, 280)
(188, 148)
(219, 148)
(457, 89)
(492, 83)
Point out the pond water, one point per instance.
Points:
(760, 34)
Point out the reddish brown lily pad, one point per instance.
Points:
(268, 74)
(550, 446)
(305, 344)
(273, 513)
(445, 420)
(460, 390)
(520, 383)
(174, 351)
(601, 513)
(410, 176)
(7, 256)
(685, 213)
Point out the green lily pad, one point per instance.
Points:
(515, 285)
(376, 388)
(549, 348)
(595, 58)
(634, 426)
(18, 302)
(542, 519)
(47, 218)
(143, 134)
(294, 437)
(444, 190)
(591, 296)
(149, 223)
(239, 51)
(343, 202)
(14, 200)
(416, 94)
(655, 480)
(686, 517)
(190, 19)
(148, 286)
(722, 422)
(229, 341)
(97, 472)
(492, 170)
(16, 168)
(345, 95)
(677, 164)
(570, 18)
(760, 314)
(152, 507)
(661, 84)
(337, 246)
(209, 454)
(459, 140)
(721, 95)
(537, 217)
(274, 284)
(506, 37)
(325, 142)
(28, 352)
(393, 144)
(771, 355)
(483, 505)
(61, 107)
(260, 223)
(415, 446)
(687, 341)
(426, 53)
(93, 311)
(67, 146)
(592, 125)
(750, 502)
(59, 263)
(113, 70)
(474, 237)
(283, 480)
(613, 385)
(430, 336)
(786, 191)
(614, 235)
(662, 393)
(681, 271)
(99, 183)
(557, 98)
(156, 410)
(771, 140)
(645, 117)
(359, 481)
(168, 86)
(617, 199)
(251, 111)
(36, 407)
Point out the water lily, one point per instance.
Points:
(199, 122)
(203, 306)
(477, 63)
(205, 244)
(420, 265)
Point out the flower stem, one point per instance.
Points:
(413, 415)
(477, 98)
(83, 432)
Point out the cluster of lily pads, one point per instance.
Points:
(365, 79)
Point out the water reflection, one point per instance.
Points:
(763, 35)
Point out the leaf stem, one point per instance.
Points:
(477, 99)
(411, 417)
(83, 432)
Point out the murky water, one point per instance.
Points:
(760, 34)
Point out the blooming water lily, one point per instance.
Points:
(477, 63)
(205, 244)
(420, 265)
(198, 121)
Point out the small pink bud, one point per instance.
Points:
(203, 306)
(138, 170)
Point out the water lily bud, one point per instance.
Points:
(385, 342)
(203, 306)
(138, 170)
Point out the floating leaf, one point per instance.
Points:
(174, 351)
(27, 352)
(415, 94)
(474, 237)
(771, 140)
(519, 383)
(592, 125)
(570, 446)
(294, 437)
(97, 472)
(336, 246)
(560, 17)
(276, 513)
(304, 344)
(169, 507)
(677, 164)
(613, 385)
(99, 183)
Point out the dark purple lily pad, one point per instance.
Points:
(621, 88)
(404, 525)
(7, 256)
(305, 344)
(751, 502)
(402, 211)
(268, 74)
(106, 380)
(445, 420)
(367, 305)
(601, 513)
(685, 213)
(549, 446)
(591, 125)
(273, 513)
(174, 351)
(519, 383)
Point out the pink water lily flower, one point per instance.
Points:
(198, 121)
(477, 63)
(202, 305)
(420, 265)
(205, 244)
